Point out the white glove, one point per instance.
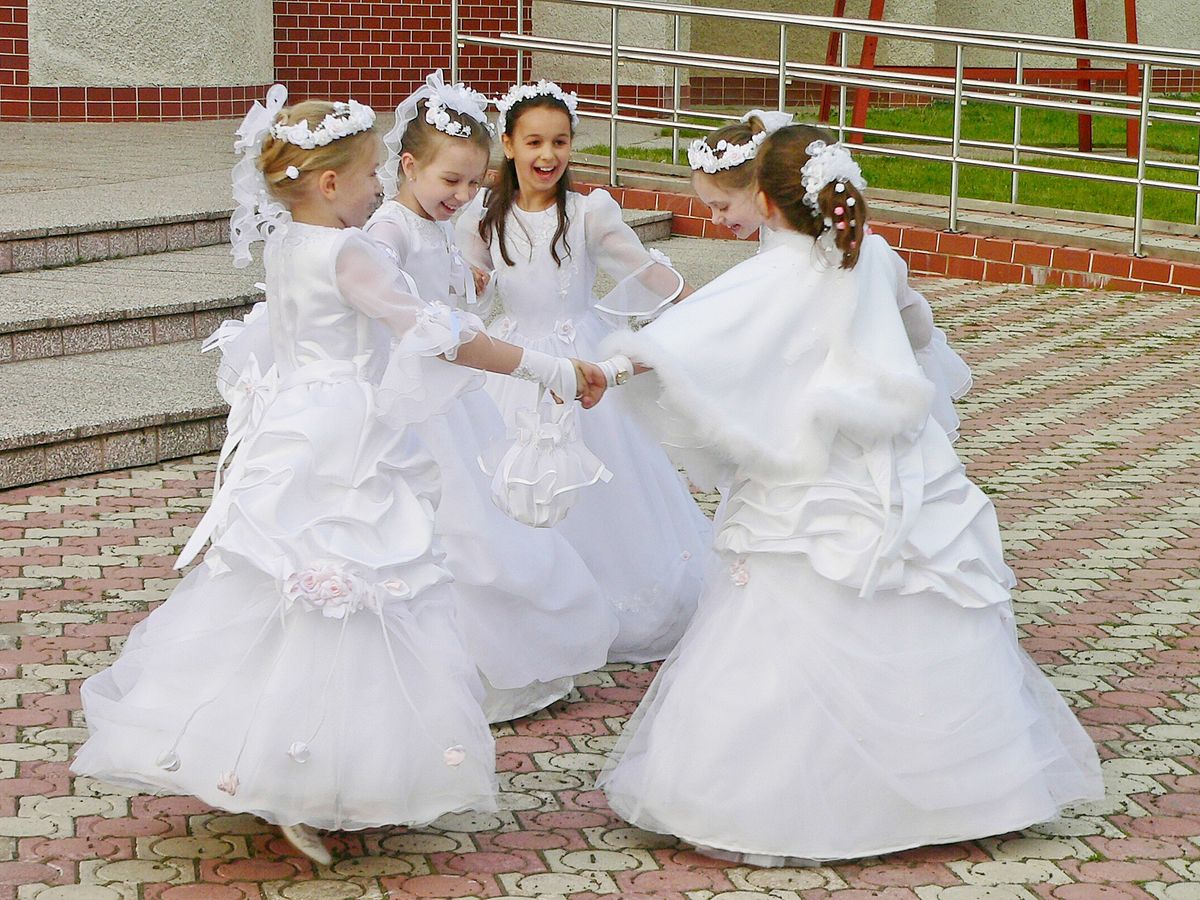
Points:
(616, 369)
(556, 373)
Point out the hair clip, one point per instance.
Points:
(850, 201)
(292, 172)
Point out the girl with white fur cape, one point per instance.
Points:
(852, 683)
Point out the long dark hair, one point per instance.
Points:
(843, 211)
(501, 196)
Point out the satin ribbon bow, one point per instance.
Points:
(533, 429)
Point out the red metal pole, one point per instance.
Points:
(862, 96)
(1084, 83)
(1133, 81)
(831, 58)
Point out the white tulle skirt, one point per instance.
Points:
(530, 609)
(836, 697)
(310, 670)
(641, 534)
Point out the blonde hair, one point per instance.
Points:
(740, 177)
(277, 155)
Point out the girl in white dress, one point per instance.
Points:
(641, 533)
(309, 670)
(723, 165)
(530, 609)
(852, 683)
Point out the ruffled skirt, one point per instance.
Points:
(310, 670)
(849, 689)
(641, 534)
(530, 608)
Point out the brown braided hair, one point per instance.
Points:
(841, 207)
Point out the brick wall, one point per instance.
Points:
(380, 52)
(974, 257)
(14, 52)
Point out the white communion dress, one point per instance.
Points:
(852, 683)
(641, 533)
(310, 669)
(530, 608)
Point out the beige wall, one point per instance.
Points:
(150, 42)
(635, 29)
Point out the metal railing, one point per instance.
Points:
(1141, 107)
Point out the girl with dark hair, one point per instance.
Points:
(852, 683)
(530, 609)
(641, 534)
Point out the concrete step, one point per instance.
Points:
(25, 249)
(71, 415)
(140, 301)
(86, 406)
(179, 295)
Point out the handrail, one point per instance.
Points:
(1045, 44)
(1138, 107)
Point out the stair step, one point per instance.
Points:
(80, 221)
(69, 411)
(27, 243)
(177, 296)
(69, 416)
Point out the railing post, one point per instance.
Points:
(1198, 185)
(842, 57)
(956, 144)
(1143, 128)
(783, 55)
(520, 53)
(612, 122)
(1017, 110)
(677, 98)
(453, 41)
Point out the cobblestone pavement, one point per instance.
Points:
(1084, 426)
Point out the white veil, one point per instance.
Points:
(457, 97)
(257, 215)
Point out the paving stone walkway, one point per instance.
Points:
(1084, 427)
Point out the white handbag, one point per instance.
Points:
(537, 473)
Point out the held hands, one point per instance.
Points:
(481, 279)
(590, 381)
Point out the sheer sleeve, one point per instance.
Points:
(392, 235)
(646, 281)
(370, 282)
(475, 253)
(942, 367)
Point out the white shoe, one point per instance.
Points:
(308, 842)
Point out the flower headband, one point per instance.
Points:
(704, 158)
(457, 97)
(826, 164)
(519, 93)
(346, 119)
(439, 97)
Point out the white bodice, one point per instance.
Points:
(310, 320)
(425, 249)
(541, 297)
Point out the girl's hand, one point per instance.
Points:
(592, 383)
(481, 279)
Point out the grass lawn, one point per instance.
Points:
(1043, 128)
